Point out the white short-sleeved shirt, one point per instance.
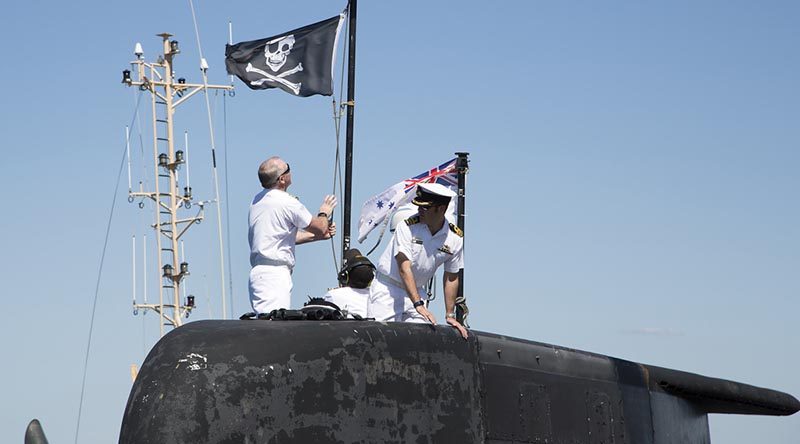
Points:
(275, 216)
(354, 300)
(426, 251)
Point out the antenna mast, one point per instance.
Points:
(351, 92)
(166, 93)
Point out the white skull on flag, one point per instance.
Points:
(283, 46)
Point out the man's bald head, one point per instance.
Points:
(270, 170)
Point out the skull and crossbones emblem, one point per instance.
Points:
(275, 61)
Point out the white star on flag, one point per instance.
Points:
(375, 210)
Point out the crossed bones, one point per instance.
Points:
(295, 87)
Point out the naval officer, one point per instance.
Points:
(354, 281)
(419, 246)
(278, 222)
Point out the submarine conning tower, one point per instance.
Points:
(365, 381)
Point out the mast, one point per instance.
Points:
(166, 94)
(462, 165)
(351, 88)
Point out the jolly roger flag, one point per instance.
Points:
(299, 62)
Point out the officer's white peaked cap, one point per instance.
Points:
(430, 194)
(438, 189)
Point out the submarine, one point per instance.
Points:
(361, 381)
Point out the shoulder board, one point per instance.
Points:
(412, 220)
(454, 228)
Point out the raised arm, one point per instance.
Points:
(319, 228)
(306, 236)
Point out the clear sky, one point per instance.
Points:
(633, 187)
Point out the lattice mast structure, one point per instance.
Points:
(167, 94)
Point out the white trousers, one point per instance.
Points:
(390, 303)
(270, 287)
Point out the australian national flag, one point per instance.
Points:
(299, 62)
(377, 208)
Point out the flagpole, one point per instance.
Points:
(462, 165)
(351, 87)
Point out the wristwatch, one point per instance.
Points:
(450, 315)
(419, 303)
(323, 214)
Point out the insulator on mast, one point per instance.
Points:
(230, 42)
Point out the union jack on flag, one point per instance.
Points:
(377, 208)
(445, 174)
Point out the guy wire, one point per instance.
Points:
(99, 275)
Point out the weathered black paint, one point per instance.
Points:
(351, 382)
(34, 434)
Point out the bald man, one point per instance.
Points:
(278, 222)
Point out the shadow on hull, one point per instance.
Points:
(351, 381)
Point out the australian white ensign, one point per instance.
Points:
(299, 62)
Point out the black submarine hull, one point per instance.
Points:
(371, 382)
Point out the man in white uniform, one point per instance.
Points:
(354, 280)
(278, 221)
(419, 246)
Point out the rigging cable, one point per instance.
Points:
(337, 123)
(227, 195)
(141, 223)
(213, 160)
(227, 187)
(141, 153)
(99, 275)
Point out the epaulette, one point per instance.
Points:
(412, 220)
(454, 228)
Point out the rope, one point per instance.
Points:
(214, 165)
(383, 230)
(337, 123)
(99, 275)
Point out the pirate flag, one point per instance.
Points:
(299, 62)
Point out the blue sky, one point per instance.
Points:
(633, 187)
